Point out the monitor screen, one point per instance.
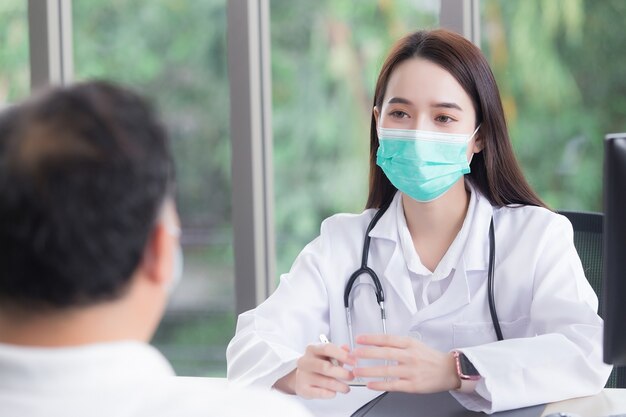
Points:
(614, 285)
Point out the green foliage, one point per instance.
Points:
(562, 89)
(175, 52)
(14, 61)
(196, 343)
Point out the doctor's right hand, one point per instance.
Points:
(315, 375)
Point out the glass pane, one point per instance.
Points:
(14, 57)
(326, 56)
(562, 83)
(175, 52)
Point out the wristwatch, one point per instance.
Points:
(466, 372)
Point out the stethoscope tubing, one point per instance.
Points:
(380, 294)
(492, 302)
(365, 270)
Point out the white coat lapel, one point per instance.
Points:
(396, 278)
(476, 251)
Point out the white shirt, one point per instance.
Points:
(546, 308)
(119, 379)
(429, 286)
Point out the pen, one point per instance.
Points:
(325, 340)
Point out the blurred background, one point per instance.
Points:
(556, 62)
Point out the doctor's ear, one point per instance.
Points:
(479, 144)
(376, 114)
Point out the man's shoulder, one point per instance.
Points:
(191, 396)
(160, 397)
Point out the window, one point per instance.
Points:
(562, 84)
(326, 56)
(14, 58)
(174, 51)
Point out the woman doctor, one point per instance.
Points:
(453, 202)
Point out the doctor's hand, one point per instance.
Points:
(315, 375)
(412, 366)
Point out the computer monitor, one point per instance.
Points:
(614, 253)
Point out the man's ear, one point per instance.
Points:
(157, 258)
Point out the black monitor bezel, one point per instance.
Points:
(614, 252)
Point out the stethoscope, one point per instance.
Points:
(380, 294)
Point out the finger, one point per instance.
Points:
(322, 366)
(381, 372)
(391, 385)
(310, 393)
(390, 354)
(347, 349)
(342, 365)
(331, 351)
(327, 383)
(401, 342)
(337, 372)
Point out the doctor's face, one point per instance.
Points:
(421, 95)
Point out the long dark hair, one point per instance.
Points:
(494, 171)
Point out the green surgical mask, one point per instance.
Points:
(422, 164)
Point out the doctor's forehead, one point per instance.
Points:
(420, 82)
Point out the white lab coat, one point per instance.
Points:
(546, 308)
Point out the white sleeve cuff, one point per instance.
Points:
(467, 386)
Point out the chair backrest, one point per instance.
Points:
(588, 228)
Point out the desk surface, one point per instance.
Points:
(608, 402)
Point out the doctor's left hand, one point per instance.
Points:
(412, 366)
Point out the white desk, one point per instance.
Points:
(343, 405)
(608, 402)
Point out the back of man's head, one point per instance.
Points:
(84, 171)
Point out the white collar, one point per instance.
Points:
(450, 259)
(472, 241)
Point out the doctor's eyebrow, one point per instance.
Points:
(446, 106)
(398, 100)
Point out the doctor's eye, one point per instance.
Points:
(398, 114)
(445, 119)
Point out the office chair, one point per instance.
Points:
(588, 229)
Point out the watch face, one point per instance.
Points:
(466, 366)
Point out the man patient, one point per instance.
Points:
(89, 251)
